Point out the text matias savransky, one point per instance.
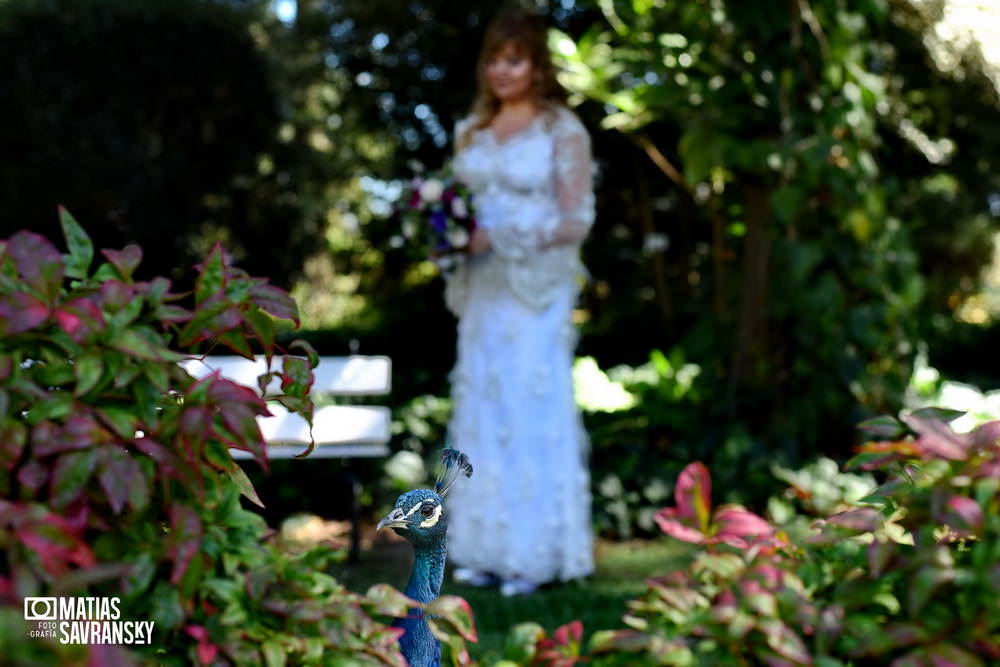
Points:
(84, 620)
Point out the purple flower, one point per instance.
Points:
(439, 221)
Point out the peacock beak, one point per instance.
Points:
(395, 519)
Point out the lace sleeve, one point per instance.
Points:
(572, 174)
(574, 182)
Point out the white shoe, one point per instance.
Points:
(466, 575)
(516, 586)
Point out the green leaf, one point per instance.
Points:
(885, 426)
(457, 613)
(938, 414)
(126, 315)
(211, 281)
(520, 645)
(134, 344)
(239, 477)
(167, 609)
(311, 354)
(71, 473)
(389, 601)
(140, 575)
(57, 406)
(262, 327)
(81, 249)
(235, 340)
(121, 420)
(88, 370)
(274, 654)
(106, 272)
(864, 458)
(157, 374)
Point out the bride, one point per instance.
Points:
(526, 157)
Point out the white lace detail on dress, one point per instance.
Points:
(528, 515)
(534, 192)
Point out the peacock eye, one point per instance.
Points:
(427, 510)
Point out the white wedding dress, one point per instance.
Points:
(525, 514)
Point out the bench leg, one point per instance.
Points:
(353, 555)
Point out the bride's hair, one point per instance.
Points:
(527, 32)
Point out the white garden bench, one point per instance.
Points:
(340, 431)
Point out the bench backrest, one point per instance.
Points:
(355, 375)
(355, 430)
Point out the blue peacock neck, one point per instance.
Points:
(428, 571)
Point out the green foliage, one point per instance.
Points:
(783, 135)
(115, 472)
(907, 574)
(644, 440)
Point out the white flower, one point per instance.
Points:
(458, 237)
(458, 208)
(409, 228)
(446, 263)
(431, 190)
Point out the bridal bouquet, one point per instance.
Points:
(436, 215)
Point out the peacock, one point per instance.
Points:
(419, 516)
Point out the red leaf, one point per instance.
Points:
(880, 553)
(207, 652)
(937, 440)
(125, 260)
(20, 312)
(986, 435)
(275, 301)
(79, 318)
(115, 294)
(863, 520)
(185, 538)
(163, 456)
(33, 475)
(80, 431)
(572, 630)
(673, 527)
(693, 494)
(117, 474)
(109, 654)
(38, 262)
(964, 514)
(221, 390)
(197, 631)
(53, 539)
(736, 525)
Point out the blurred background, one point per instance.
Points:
(798, 204)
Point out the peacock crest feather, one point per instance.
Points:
(419, 516)
(454, 464)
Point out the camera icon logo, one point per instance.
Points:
(40, 609)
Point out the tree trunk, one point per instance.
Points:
(750, 360)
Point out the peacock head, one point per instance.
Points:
(419, 515)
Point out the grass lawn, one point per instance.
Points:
(598, 601)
